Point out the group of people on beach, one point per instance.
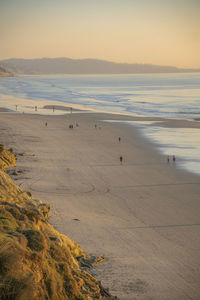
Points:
(95, 126)
(119, 140)
(173, 158)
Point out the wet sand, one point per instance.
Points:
(143, 215)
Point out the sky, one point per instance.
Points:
(160, 32)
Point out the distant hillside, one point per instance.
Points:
(82, 66)
(4, 73)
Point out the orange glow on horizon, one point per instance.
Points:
(129, 31)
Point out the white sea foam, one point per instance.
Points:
(174, 96)
(183, 143)
(161, 95)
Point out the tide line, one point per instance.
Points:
(162, 226)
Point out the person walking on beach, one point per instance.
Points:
(174, 158)
(121, 159)
(119, 139)
(46, 124)
(168, 158)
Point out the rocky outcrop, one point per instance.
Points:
(5, 73)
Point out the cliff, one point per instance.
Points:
(5, 73)
(36, 261)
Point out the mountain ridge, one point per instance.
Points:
(64, 65)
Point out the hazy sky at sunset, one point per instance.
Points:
(162, 32)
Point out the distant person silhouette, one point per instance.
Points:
(168, 158)
(174, 158)
(46, 124)
(121, 159)
(119, 139)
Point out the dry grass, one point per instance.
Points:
(36, 261)
(7, 158)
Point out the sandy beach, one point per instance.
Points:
(143, 215)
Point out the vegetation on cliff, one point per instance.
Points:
(36, 261)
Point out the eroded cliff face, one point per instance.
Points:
(7, 158)
(36, 261)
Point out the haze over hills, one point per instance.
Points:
(82, 66)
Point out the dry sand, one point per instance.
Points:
(143, 215)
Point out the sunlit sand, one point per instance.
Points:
(142, 215)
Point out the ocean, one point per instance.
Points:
(174, 96)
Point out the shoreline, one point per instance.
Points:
(43, 107)
(113, 210)
(9, 103)
(144, 94)
(172, 138)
